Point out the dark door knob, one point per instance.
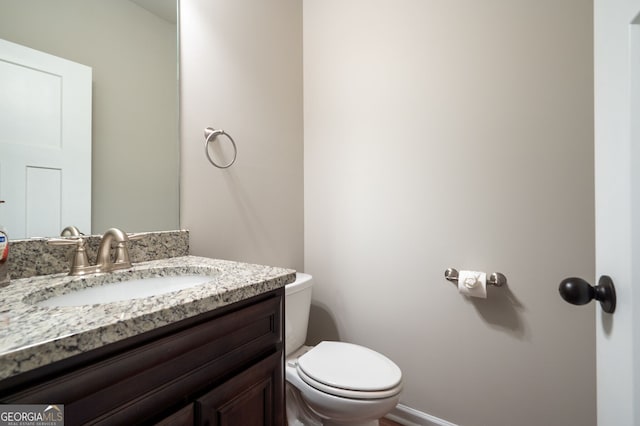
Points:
(579, 292)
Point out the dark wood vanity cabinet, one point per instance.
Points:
(224, 367)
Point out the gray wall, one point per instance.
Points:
(241, 70)
(455, 134)
(133, 54)
(436, 134)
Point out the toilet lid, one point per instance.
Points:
(357, 370)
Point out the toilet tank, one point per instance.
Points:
(296, 318)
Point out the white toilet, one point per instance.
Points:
(333, 383)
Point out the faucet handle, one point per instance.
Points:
(79, 264)
(70, 241)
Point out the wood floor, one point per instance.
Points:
(387, 422)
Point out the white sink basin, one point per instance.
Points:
(126, 290)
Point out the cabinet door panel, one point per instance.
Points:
(249, 399)
(182, 417)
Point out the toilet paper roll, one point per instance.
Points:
(472, 283)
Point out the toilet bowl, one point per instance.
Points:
(333, 383)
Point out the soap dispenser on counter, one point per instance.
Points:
(4, 256)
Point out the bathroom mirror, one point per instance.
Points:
(132, 48)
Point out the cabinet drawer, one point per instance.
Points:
(164, 374)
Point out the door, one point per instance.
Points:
(617, 166)
(45, 142)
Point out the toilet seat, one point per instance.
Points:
(350, 371)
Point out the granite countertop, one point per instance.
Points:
(32, 336)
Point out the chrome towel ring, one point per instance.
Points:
(210, 134)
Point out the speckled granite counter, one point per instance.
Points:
(33, 336)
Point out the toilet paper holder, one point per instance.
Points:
(496, 279)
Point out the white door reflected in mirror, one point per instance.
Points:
(45, 142)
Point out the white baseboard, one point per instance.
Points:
(409, 417)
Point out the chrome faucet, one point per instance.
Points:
(104, 261)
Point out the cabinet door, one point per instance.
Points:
(254, 397)
(183, 417)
